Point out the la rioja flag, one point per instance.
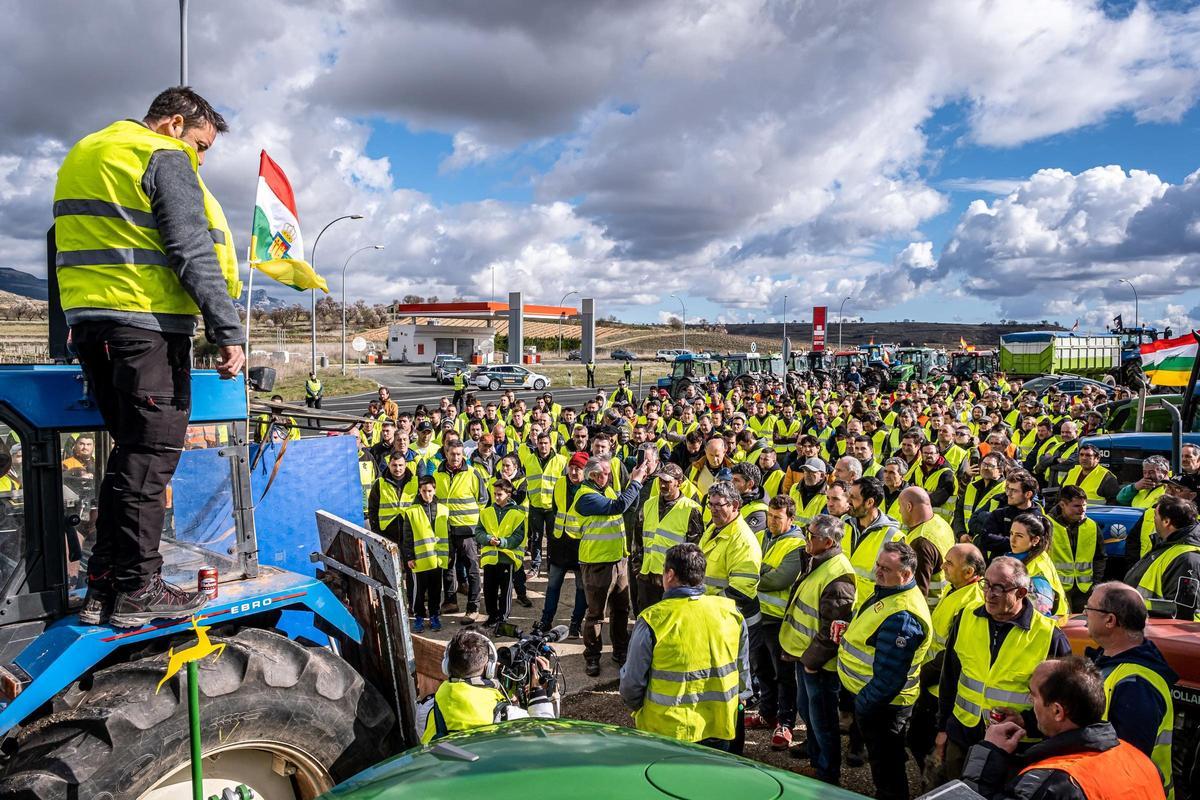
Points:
(276, 246)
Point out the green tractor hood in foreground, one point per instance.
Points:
(574, 759)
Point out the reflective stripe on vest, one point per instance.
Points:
(540, 479)
(856, 657)
(602, 538)
(777, 549)
(807, 512)
(109, 251)
(1161, 753)
(930, 483)
(431, 542)
(970, 502)
(1091, 484)
(1114, 774)
(984, 684)
(1150, 585)
(1074, 565)
(391, 502)
(459, 492)
(692, 693)
(502, 529)
(941, 535)
(865, 554)
(661, 534)
(566, 521)
(802, 615)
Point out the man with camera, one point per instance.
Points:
(471, 695)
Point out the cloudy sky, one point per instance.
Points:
(928, 159)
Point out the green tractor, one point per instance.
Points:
(911, 364)
(687, 371)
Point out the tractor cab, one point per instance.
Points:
(911, 364)
(965, 363)
(687, 370)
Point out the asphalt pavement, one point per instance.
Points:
(411, 384)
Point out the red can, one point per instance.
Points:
(207, 582)
(836, 629)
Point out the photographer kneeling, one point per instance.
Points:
(471, 697)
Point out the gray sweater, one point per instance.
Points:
(177, 204)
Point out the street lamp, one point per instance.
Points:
(313, 264)
(785, 341)
(683, 320)
(1135, 304)
(344, 266)
(561, 316)
(841, 321)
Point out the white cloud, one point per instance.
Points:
(737, 150)
(1061, 243)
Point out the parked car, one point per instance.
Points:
(449, 366)
(623, 355)
(437, 361)
(509, 376)
(671, 354)
(573, 355)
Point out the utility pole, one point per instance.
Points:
(183, 43)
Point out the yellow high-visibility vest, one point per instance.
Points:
(1074, 564)
(1161, 753)
(856, 654)
(775, 603)
(985, 684)
(939, 532)
(694, 671)
(502, 529)
(110, 253)
(660, 534)
(803, 612)
(431, 542)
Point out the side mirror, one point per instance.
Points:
(262, 379)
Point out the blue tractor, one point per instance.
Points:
(304, 695)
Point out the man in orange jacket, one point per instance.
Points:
(1081, 757)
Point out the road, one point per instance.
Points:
(412, 384)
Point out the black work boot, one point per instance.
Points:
(156, 600)
(97, 606)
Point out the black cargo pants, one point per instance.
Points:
(141, 382)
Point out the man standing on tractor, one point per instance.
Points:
(142, 248)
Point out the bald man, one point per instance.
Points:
(964, 567)
(1137, 679)
(931, 536)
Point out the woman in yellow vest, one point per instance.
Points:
(500, 534)
(425, 547)
(1029, 542)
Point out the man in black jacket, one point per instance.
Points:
(1169, 573)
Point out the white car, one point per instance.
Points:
(670, 355)
(509, 376)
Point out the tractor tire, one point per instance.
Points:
(293, 713)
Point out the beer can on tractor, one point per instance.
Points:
(207, 582)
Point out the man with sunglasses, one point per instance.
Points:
(991, 654)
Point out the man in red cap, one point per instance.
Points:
(563, 550)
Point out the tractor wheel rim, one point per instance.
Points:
(254, 762)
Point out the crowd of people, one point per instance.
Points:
(892, 564)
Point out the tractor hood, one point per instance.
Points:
(583, 759)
